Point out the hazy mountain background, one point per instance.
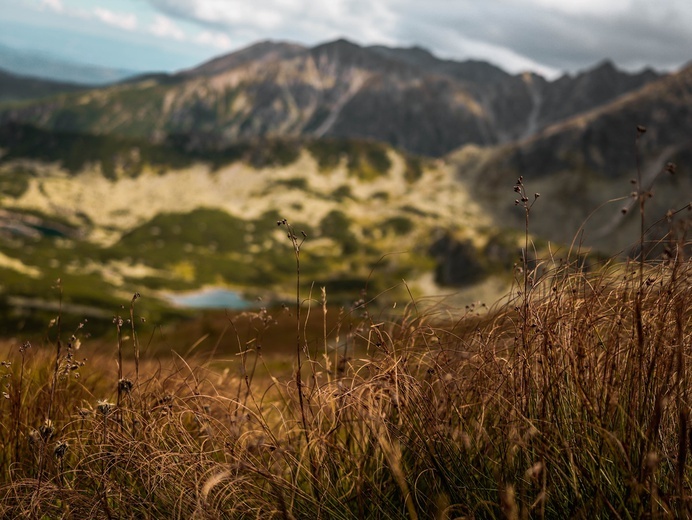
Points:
(42, 65)
(175, 181)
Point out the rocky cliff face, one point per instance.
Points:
(582, 162)
(405, 97)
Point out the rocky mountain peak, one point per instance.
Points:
(264, 51)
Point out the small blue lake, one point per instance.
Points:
(209, 299)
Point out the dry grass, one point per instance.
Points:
(569, 400)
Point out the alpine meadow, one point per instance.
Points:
(344, 281)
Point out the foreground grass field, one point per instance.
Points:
(568, 399)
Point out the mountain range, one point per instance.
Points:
(173, 181)
(44, 66)
(405, 97)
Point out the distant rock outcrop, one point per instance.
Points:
(582, 162)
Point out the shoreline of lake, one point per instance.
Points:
(207, 298)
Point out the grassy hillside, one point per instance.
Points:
(569, 399)
(112, 216)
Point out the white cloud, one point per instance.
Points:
(164, 27)
(127, 21)
(544, 35)
(580, 7)
(214, 39)
(55, 5)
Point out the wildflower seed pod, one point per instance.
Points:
(104, 407)
(125, 385)
(60, 449)
(47, 430)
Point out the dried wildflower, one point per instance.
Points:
(60, 449)
(671, 168)
(104, 407)
(34, 438)
(641, 129)
(47, 430)
(125, 385)
(25, 346)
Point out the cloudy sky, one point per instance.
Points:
(548, 36)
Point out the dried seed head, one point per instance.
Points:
(671, 168)
(125, 385)
(34, 438)
(641, 129)
(60, 449)
(47, 430)
(104, 407)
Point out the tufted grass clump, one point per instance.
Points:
(569, 400)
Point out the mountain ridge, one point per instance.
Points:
(407, 98)
(46, 67)
(579, 163)
(14, 87)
